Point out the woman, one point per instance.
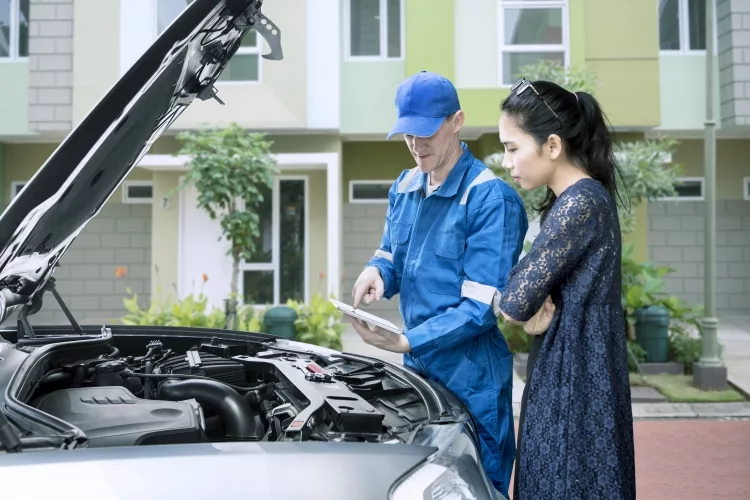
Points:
(576, 428)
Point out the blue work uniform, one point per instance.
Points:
(449, 254)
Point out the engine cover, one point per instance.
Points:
(113, 416)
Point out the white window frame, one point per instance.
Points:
(383, 34)
(366, 182)
(16, 186)
(135, 200)
(563, 47)
(241, 51)
(15, 18)
(275, 264)
(684, 26)
(746, 188)
(702, 196)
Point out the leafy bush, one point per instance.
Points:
(319, 322)
(190, 311)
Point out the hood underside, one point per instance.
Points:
(75, 182)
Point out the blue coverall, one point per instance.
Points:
(448, 255)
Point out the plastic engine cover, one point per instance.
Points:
(113, 416)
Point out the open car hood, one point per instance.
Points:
(72, 186)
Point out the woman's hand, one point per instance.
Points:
(539, 323)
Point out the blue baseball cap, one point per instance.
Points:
(423, 101)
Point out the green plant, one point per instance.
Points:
(231, 169)
(318, 323)
(518, 340)
(575, 79)
(190, 311)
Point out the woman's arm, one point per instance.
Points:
(573, 224)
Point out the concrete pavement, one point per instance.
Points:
(734, 335)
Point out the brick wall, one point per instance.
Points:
(363, 229)
(676, 238)
(120, 236)
(50, 65)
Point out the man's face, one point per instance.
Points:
(431, 153)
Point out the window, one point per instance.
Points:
(16, 187)
(14, 29)
(688, 188)
(244, 65)
(531, 31)
(138, 192)
(369, 191)
(375, 29)
(167, 11)
(682, 25)
(746, 185)
(277, 271)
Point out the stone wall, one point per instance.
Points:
(363, 230)
(51, 65)
(118, 238)
(676, 238)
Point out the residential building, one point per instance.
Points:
(328, 107)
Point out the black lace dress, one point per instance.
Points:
(575, 438)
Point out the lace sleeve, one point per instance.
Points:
(572, 225)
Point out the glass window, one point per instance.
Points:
(669, 25)
(369, 191)
(682, 25)
(533, 26)
(14, 29)
(269, 280)
(375, 28)
(245, 64)
(532, 31)
(167, 11)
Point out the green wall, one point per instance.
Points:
(14, 112)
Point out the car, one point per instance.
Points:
(122, 412)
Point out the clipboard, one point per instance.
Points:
(368, 318)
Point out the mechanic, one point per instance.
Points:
(453, 231)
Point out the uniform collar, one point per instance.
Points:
(450, 186)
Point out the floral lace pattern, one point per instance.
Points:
(576, 437)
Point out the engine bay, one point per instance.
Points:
(224, 391)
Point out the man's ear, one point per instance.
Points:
(554, 146)
(457, 121)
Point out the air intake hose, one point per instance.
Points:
(238, 417)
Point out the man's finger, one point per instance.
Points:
(378, 289)
(359, 292)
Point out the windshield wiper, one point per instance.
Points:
(36, 304)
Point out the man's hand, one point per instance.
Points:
(380, 338)
(539, 323)
(368, 287)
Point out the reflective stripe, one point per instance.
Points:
(403, 186)
(486, 176)
(483, 293)
(383, 255)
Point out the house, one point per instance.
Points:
(328, 107)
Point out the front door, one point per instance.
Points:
(277, 271)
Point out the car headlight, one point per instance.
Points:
(450, 474)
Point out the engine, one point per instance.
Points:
(211, 393)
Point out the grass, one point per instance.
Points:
(680, 389)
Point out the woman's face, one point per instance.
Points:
(528, 166)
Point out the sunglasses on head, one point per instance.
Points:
(522, 85)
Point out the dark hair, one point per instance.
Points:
(580, 123)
